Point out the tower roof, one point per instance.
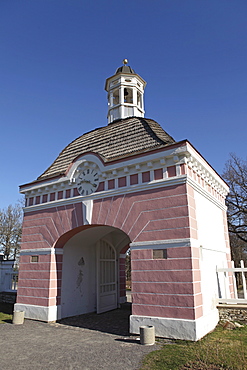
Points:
(119, 139)
(125, 69)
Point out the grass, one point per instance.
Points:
(221, 349)
(6, 310)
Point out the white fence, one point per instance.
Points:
(240, 293)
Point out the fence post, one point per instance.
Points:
(243, 278)
(234, 282)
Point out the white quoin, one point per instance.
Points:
(125, 94)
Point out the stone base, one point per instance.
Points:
(234, 312)
(176, 328)
(40, 313)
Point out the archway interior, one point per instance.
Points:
(128, 275)
(92, 276)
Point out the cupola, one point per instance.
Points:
(125, 94)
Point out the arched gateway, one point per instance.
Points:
(128, 184)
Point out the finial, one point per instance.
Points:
(125, 61)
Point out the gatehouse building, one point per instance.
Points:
(128, 184)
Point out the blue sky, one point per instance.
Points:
(55, 56)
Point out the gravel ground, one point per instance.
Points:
(83, 342)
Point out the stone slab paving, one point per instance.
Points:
(39, 345)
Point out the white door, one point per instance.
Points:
(106, 277)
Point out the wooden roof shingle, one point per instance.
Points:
(119, 139)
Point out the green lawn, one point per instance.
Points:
(222, 349)
(6, 310)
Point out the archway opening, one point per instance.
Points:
(128, 275)
(92, 278)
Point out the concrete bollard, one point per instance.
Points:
(18, 317)
(147, 335)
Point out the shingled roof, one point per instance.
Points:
(117, 140)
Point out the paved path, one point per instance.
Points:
(37, 345)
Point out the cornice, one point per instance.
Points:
(168, 157)
(110, 193)
(205, 193)
(198, 174)
(177, 180)
(203, 169)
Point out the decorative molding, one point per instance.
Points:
(161, 244)
(208, 174)
(205, 193)
(110, 193)
(40, 251)
(167, 181)
(185, 154)
(87, 210)
(133, 165)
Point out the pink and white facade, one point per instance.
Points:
(166, 203)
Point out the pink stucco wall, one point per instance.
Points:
(165, 287)
(146, 215)
(42, 228)
(40, 282)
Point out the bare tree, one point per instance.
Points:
(10, 231)
(235, 174)
(238, 249)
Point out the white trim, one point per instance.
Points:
(205, 193)
(170, 156)
(40, 251)
(155, 184)
(141, 162)
(178, 170)
(233, 269)
(161, 244)
(110, 193)
(177, 328)
(42, 313)
(87, 211)
(231, 301)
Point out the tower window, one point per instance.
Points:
(128, 95)
(116, 97)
